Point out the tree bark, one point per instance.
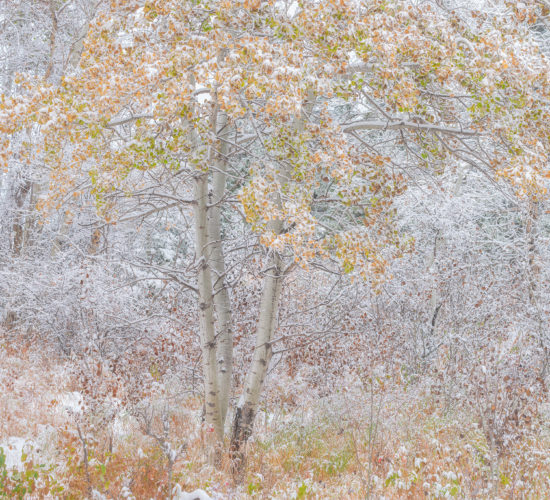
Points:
(267, 321)
(204, 251)
(248, 404)
(222, 301)
(19, 233)
(206, 316)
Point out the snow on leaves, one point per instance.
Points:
(152, 74)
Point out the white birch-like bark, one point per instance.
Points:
(222, 302)
(267, 322)
(203, 252)
(403, 125)
(206, 313)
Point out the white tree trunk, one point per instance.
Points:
(222, 302)
(267, 321)
(206, 313)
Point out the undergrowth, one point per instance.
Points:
(391, 443)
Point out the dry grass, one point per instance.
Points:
(391, 444)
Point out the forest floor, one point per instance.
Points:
(374, 439)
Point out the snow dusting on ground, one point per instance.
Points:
(194, 495)
(14, 447)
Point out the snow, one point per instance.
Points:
(71, 402)
(125, 40)
(178, 494)
(122, 426)
(13, 449)
(203, 94)
(292, 9)
(96, 495)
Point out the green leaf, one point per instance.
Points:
(302, 490)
